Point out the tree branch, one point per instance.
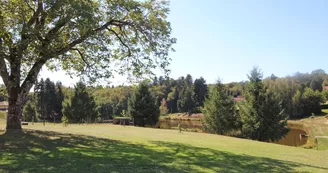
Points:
(3, 71)
(32, 76)
(29, 5)
(81, 55)
(120, 39)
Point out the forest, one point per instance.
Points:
(297, 96)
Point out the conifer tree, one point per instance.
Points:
(261, 112)
(143, 107)
(219, 111)
(81, 107)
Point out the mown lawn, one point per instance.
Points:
(114, 148)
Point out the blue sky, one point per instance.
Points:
(226, 38)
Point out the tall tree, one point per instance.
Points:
(261, 113)
(81, 106)
(219, 111)
(143, 106)
(200, 91)
(59, 100)
(85, 38)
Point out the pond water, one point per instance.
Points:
(291, 139)
(172, 124)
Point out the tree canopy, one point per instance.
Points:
(90, 38)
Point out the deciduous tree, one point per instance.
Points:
(93, 39)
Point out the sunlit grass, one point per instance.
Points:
(114, 148)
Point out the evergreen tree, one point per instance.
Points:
(186, 102)
(219, 111)
(143, 107)
(39, 91)
(261, 113)
(81, 106)
(200, 91)
(59, 100)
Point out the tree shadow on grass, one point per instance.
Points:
(38, 151)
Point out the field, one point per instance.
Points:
(114, 148)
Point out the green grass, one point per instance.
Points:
(3, 115)
(114, 148)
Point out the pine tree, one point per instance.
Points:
(200, 91)
(143, 107)
(261, 113)
(81, 106)
(59, 100)
(219, 111)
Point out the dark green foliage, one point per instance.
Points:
(105, 111)
(219, 111)
(185, 90)
(29, 112)
(261, 112)
(200, 91)
(48, 99)
(81, 107)
(143, 107)
(58, 107)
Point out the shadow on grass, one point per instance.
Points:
(37, 151)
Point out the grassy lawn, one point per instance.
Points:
(114, 148)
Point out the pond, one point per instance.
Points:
(291, 139)
(185, 124)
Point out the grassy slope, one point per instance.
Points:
(110, 148)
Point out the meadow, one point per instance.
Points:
(114, 148)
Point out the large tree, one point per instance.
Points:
(261, 112)
(93, 38)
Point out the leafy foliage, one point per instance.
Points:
(29, 112)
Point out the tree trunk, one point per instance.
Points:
(14, 111)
